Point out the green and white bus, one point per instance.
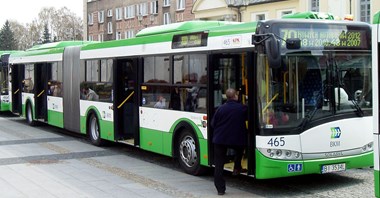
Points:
(306, 84)
(4, 95)
(375, 70)
(33, 74)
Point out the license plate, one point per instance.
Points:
(333, 168)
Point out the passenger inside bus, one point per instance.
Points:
(161, 103)
(191, 103)
(28, 85)
(90, 94)
(175, 99)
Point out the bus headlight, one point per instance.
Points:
(281, 154)
(368, 147)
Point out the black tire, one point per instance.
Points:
(187, 149)
(29, 115)
(93, 130)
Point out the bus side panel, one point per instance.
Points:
(55, 111)
(4, 105)
(25, 98)
(104, 114)
(151, 140)
(157, 128)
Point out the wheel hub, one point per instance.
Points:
(188, 151)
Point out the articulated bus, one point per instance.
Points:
(4, 95)
(306, 84)
(375, 74)
(32, 74)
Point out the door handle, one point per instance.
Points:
(125, 100)
(40, 93)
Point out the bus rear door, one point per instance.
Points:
(125, 100)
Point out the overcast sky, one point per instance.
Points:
(24, 11)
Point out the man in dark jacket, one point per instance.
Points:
(229, 132)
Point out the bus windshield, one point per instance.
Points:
(310, 87)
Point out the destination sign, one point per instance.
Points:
(198, 39)
(321, 38)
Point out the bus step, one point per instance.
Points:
(128, 141)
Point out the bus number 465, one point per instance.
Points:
(277, 141)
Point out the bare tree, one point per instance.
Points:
(62, 24)
(67, 25)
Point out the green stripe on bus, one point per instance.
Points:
(271, 168)
(377, 178)
(55, 118)
(4, 106)
(151, 140)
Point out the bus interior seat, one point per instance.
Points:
(311, 88)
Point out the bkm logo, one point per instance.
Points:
(335, 132)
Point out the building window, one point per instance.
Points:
(154, 7)
(142, 9)
(166, 3)
(109, 28)
(109, 13)
(281, 13)
(129, 12)
(101, 16)
(119, 13)
(365, 10)
(118, 35)
(180, 4)
(260, 17)
(91, 19)
(90, 38)
(101, 37)
(314, 5)
(167, 18)
(129, 34)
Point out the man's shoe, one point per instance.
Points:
(236, 172)
(221, 193)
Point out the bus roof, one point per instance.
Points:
(309, 15)
(376, 18)
(179, 27)
(9, 52)
(165, 33)
(55, 45)
(47, 49)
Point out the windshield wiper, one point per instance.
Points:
(359, 110)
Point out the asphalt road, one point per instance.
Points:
(73, 167)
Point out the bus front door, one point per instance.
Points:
(40, 91)
(125, 100)
(226, 71)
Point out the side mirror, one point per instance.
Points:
(272, 46)
(293, 43)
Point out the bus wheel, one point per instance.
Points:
(93, 130)
(29, 115)
(188, 153)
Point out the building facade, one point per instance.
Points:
(253, 10)
(120, 19)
